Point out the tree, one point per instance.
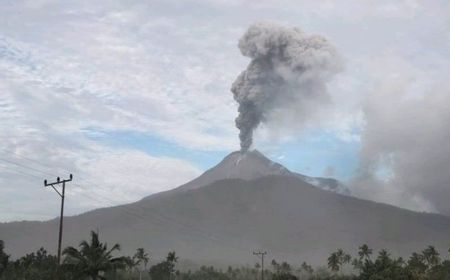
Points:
(205, 273)
(441, 271)
(93, 259)
(141, 257)
(4, 258)
(129, 263)
(334, 262)
(37, 266)
(384, 267)
(337, 259)
(282, 271)
(364, 252)
(431, 256)
(307, 268)
(164, 269)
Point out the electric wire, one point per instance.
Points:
(125, 208)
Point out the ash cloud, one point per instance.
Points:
(287, 74)
(405, 155)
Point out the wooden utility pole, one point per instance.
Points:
(61, 217)
(261, 254)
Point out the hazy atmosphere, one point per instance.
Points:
(124, 94)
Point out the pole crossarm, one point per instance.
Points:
(58, 181)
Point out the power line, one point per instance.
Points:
(25, 166)
(112, 203)
(125, 208)
(128, 209)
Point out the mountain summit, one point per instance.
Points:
(239, 165)
(253, 164)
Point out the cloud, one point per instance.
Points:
(105, 77)
(405, 154)
(126, 182)
(102, 177)
(109, 68)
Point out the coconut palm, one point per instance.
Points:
(364, 252)
(431, 256)
(165, 269)
(334, 262)
(141, 257)
(337, 259)
(93, 259)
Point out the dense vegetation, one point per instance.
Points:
(93, 260)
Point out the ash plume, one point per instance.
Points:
(287, 74)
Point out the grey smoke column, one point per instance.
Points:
(288, 71)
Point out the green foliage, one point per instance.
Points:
(337, 259)
(384, 267)
(37, 266)
(141, 257)
(306, 268)
(164, 270)
(93, 259)
(282, 271)
(440, 271)
(416, 266)
(4, 258)
(205, 273)
(431, 257)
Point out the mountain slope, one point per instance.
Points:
(252, 165)
(224, 221)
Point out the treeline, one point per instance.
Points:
(94, 260)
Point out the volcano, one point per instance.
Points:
(245, 203)
(251, 165)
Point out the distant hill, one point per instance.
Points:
(245, 203)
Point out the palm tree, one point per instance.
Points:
(337, 259)
(384, 258)
(364, 257)
(334, 262)
(92, 259)
(165, 269)
(416, 265)
(129, 263)
(431, 256)
(364, 252)
(171, 260)
(346, 258)
(142, 257)
(307, 268)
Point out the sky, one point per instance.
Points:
(133, 98)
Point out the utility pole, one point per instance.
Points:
(261, 254)
(61, 217)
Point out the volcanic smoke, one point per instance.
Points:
(288, 72)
